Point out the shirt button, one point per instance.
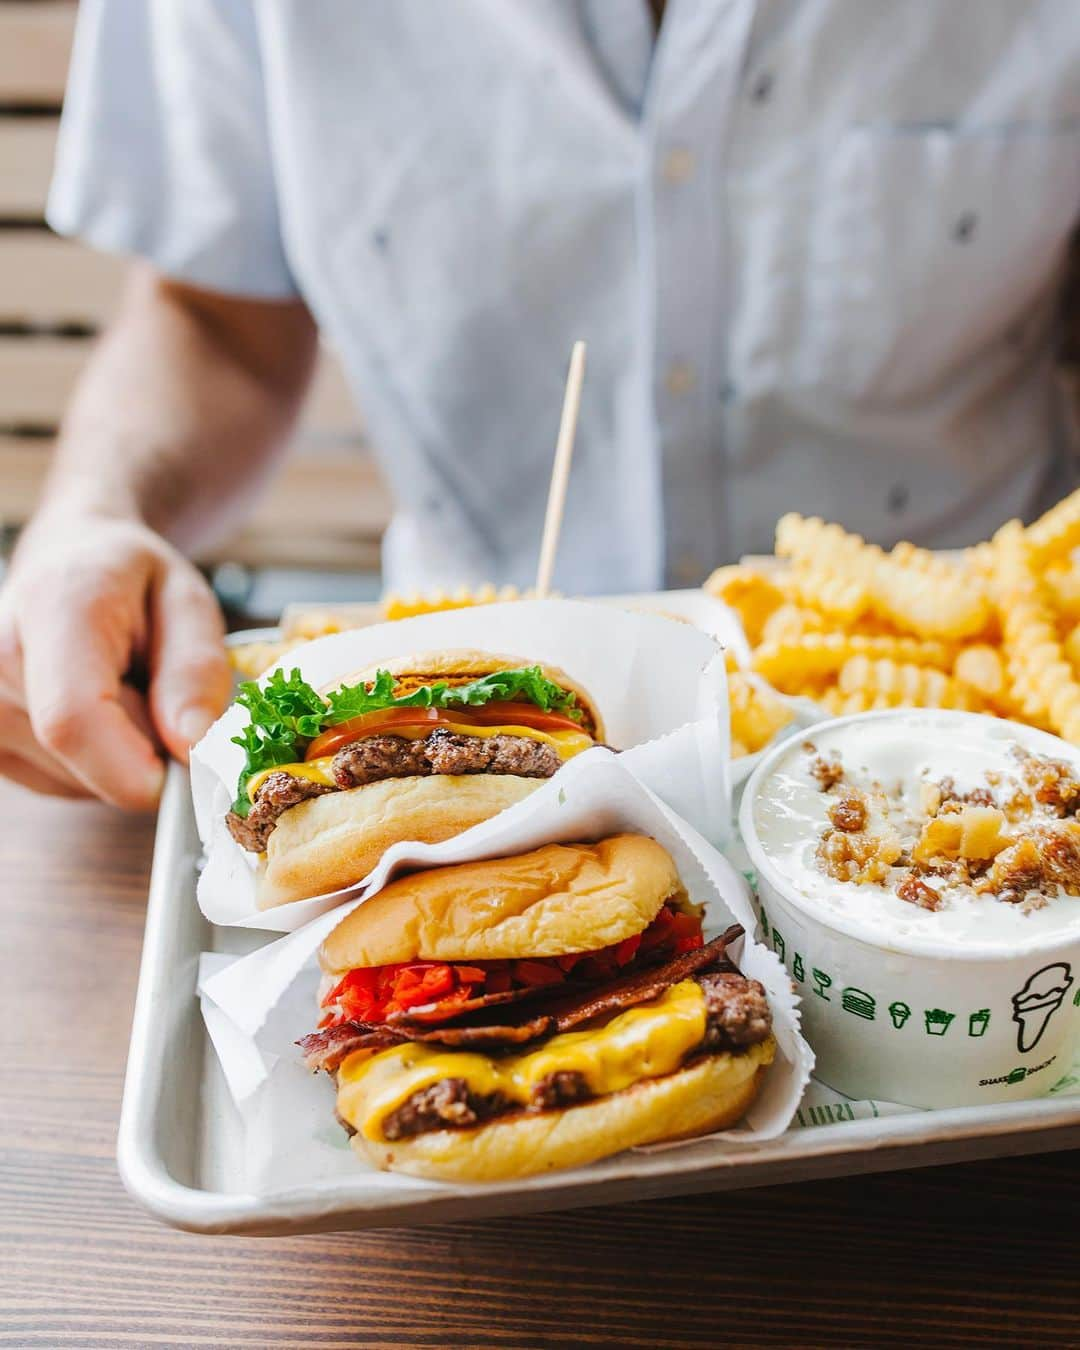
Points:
(678, 164)
(762, 87)
(680, 378)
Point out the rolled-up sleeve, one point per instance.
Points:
(164, 147)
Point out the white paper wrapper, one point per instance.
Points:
(660, 685)
(695, 607)
(260, 1004)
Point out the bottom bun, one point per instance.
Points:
(333, 841)
(711, 1094)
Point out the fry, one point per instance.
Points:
(893, 684)
(749, 593)
(757, 714)
(250, 659)
(831, 569)
(1057, 532)
(843, 598)
(981, 668)
(792, 621)
(396, 606)
(1063, 583)
(1041, 676)
(931, 604)
(816, 656)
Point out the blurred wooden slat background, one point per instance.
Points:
(326, 508)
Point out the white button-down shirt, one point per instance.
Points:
(815, 247)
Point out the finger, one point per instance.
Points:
(28, 775)
(18, 741)
(74, 654)
(11, 681)
(190, 678)
(134, 702)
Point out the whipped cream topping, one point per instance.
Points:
(893, 764)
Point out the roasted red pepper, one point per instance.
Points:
(374, 993)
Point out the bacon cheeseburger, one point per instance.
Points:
(421, 748)
(495, 1019)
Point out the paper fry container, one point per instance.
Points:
(659, 683)
(930, 1024)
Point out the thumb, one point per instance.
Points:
(190, 678)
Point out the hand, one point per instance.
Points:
(89, 598)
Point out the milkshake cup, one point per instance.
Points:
(960, 1007)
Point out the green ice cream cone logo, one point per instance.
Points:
(821, 983)
(978, 1022)
(899, 1012)
(938, 1021)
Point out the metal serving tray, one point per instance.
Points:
(180, 1139)
(180, 1145)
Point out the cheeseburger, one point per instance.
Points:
(419, 749)
(490, 1020)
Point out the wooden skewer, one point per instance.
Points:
(560, 473)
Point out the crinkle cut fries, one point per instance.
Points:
(855, 627)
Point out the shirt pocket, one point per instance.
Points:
(927, 247)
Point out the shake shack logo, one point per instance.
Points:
(1037, 1002)
(1018, 1074)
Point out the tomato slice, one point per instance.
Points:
(513, 714)
(370, 724)
(390, 720)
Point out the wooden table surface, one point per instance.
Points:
(972, 1255)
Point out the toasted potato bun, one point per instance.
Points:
(329, 842)
(710, 1094)
(462, 666)
(552, 901)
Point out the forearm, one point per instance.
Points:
(182, 409)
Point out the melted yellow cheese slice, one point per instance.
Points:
(644, 1042)
(566, 745)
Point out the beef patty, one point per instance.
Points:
(737, 1016)
(442, 751)
(379, 757)
(277, 792)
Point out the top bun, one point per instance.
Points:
(462, 666)
(553, 901)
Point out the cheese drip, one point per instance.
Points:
(566, 745)
(644, 1042)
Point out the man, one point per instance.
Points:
(815, 247)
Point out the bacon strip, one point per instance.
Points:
(480, 1033)
(571, 1010)
(326, 1049)
(444, 1012)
